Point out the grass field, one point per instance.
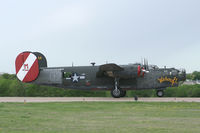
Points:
(100, 117)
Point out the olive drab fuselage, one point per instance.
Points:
(86, 77)
(31, 67)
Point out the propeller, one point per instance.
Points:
(182, 74)
(184, 71)
(143, 68)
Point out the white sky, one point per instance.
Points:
(166, 32)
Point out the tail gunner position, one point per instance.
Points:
(31, 67)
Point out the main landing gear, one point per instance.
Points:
(160, 93)
(117, 92)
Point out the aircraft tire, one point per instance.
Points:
(160, 93)
(116, 93)
(123, 93)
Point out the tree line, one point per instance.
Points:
(11, 87)
(194, 76)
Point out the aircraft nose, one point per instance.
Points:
(182, 75)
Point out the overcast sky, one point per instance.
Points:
(166, 32)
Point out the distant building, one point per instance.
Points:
(191, 82)
(1, 73)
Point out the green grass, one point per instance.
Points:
(100, 117)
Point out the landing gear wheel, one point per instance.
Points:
(160, 93)
(123, 93)
(116, 93)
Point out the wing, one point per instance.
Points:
(109, 70)
(110, 67)
(128, 72)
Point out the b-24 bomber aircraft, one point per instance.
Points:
(31, 67)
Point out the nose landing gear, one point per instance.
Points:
(160, 93)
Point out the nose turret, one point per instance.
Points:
(179, 74)
(182, 75)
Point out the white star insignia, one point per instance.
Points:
(75, 77)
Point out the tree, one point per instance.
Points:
(189, 76)
(196, 75)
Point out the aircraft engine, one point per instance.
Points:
(141, 71)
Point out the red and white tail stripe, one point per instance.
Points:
(27, 68)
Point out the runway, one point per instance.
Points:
(92, 99)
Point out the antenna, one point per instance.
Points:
(93, 63)
(141, 61)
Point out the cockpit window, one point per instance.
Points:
(154, 67)
(174, 72)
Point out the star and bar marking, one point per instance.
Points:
(75, 77)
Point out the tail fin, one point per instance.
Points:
(28, 64)
(42, 61)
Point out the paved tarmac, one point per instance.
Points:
(93, 99)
